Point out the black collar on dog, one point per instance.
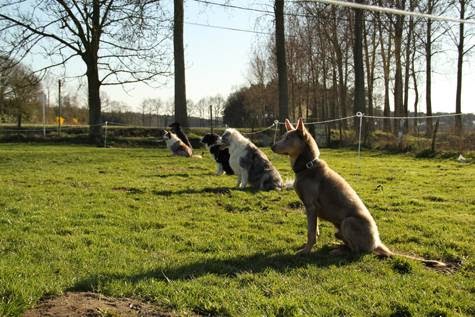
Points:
(301, 164)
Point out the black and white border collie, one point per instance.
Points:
(249, 163)
(212, 141)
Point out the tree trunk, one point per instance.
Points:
(359, 101)
(338, 60)
(460, 51)
(291, 82)
(370, 61)
(386, 59)
(407, 67)
(94, 100)
(93, 82)
(341, 87)
(181, 115)
(334, 102)
(428, 52)
(18, 120)
(398, 87)
(416, 93)
(281, 60)
(2, 97)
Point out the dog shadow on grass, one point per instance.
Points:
(278, 261)
(204, 190)
(178, 175)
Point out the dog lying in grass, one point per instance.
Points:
(249, 163)
(178, 131)
(176, 146)
(327, 195)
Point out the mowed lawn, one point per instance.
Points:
(131, 222)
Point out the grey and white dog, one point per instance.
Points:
(249, 163)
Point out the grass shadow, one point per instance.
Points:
(178, 175)
(203, 190)
(229, 267)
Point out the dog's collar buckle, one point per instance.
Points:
(311, 163)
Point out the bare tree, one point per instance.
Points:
(20, 90)
(432, 35)
(371, 45)
(407, 63)
(153, 107)
(398, 83)
(386, 56)
(103, 34)
(466, 10)
(257, 67)
(217, 102)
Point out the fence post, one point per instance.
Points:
(105, 135)
(434, 135)
(59, 106)
(359, 115)
(211, 117)
(44, 114)
(276, 123)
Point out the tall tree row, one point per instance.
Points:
(341, 61)
(466, 10)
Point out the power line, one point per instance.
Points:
(234, 6)
(231, 6)
(389, 10)
(227, 28)
(346, 4)
(330, 2)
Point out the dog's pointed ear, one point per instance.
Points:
(289, 125)
(300, 125)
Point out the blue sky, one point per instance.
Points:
(217, 61)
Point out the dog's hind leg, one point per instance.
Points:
(181, 153)
(244, 178)
(238, 180)
(219, 169)
(342, 248)
(312, 224)
(317, 226)
(358, 234)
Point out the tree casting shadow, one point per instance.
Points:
(231, 268)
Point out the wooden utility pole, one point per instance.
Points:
(211, 117)
(59, 107)
(281, 60)
(181, 115)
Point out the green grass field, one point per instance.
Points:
(143, 224)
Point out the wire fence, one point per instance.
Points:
(354, 131)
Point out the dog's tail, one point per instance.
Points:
(383, 251)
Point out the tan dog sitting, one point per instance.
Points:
(326, 195)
